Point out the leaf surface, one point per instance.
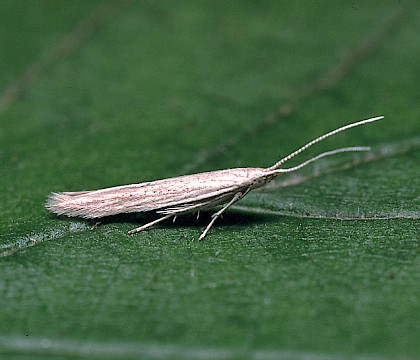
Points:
(323, 263)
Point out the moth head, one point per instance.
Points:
(262, 180)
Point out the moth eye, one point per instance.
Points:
(261, 181)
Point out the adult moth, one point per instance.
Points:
(183, 194)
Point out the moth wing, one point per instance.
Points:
(181, 192)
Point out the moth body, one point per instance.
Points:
(176, 195)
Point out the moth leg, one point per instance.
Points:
(145, 226)
(217, 214)
(95, 225)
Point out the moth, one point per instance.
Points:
(184, 194)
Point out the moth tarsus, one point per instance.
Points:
(184, 194)
(214, 217)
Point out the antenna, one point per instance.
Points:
(325, 154)
(318, 139)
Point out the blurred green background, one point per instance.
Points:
(320, 264)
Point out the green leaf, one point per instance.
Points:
(323, 263)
